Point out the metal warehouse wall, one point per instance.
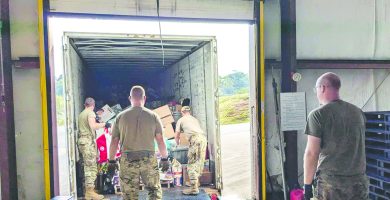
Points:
(27, 100)
(349, 29)
(28, 133)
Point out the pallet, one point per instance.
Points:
(380, 144)
(378, 154)
(374, 196)
(381, 152)
(380, 116)
(379, 192)
(381, 172)
(378, 161)
(377, 135)
(377, 126)
(380, 183)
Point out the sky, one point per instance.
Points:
(232, 39)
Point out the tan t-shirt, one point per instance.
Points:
(188, 125)
(136, 128)
(341, 127)
(84, 129)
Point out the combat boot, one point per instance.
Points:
(188, 184)
(90, 194)
(193, 190)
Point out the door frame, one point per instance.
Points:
(45, 69)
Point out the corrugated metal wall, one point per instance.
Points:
(349, 29)
(186, 79)
(28, 134)
(198, 85)
(195, 77)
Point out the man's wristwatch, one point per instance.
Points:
(112, 161)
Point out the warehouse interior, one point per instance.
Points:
(349, 38)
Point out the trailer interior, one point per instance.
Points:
(106, 66)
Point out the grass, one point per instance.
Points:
(234, 109)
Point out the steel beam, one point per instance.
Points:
(333, 64)
(9, 188)
(288, 42)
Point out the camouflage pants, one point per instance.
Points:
(341, 188)
(130, 172)
(87, 149)
(196, 157)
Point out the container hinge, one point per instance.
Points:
(215, 49)
(65, 47)
(67, 97)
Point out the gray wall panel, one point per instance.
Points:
(28, 132)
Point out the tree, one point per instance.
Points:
(234, 83)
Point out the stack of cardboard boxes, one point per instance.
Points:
(167, 119)
(165, 114)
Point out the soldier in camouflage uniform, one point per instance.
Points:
(335, 148)
(136, 128)
(87, 146)
(190, 126)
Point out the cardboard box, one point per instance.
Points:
(163, 111)
(206, 178)
(178, 108)
(169, 132)
(167, 120)
(184, 140)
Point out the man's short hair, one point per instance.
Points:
(137, 92)
(331, 79)
(89, 102)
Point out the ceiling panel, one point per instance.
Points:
(135, 53)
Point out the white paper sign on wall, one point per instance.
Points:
(293, 111)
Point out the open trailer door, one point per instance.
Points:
(70, 119)
(210, 60)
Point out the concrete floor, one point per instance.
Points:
(236, 161)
